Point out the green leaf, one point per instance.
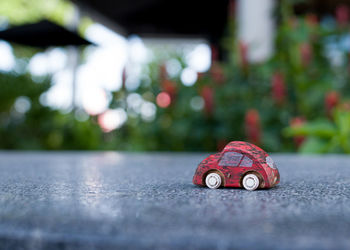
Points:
(314, 145)
(319, 128)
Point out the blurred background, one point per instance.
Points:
(153, 75)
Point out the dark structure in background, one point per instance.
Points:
(45, 34)
(42, 34)
(159, 18)
(321, 8)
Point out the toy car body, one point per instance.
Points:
(239, 164)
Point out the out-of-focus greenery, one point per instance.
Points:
(23, 11)
(26, 124)
(296, 100)
(17, 12)
(38, 126)
(255, 102)
(324, 135)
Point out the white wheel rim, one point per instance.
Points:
(213, 180)
(251, 182)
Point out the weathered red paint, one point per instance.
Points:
(233, 175)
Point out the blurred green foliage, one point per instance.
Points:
(296, 100)
(255, 102)
(23, 11)
(39, 127)
(324, 135)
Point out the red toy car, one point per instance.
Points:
(239, 164)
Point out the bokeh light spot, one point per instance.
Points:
(95, 101)
(163, 99)
(148, 111)
(173, 67)
(200, 58)
(188, 77)
(134, 102)
(197, 103)
(112, 119)
(22, 104)
(7, 59)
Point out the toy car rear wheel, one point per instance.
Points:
(251, 182)
(213, 180)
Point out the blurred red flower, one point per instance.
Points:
(214, 53)
(207, 94)
(162, 72)
(217, 73)
(243, 53)
(293, 22)
(297, 122)
(232, 8)
(221, 143)
(331, 100)
(163, 99)
(305, 53)
(278, 88)
(311, 20)
(169, 87)
(200, 75)
(252, 126)
(342, 14)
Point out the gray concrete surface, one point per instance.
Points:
(147, 201)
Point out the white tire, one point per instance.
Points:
(251, 182)
(213, 180)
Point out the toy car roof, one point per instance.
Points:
(247, 148)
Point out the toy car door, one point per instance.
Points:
(229, 165)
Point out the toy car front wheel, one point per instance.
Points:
(251, 182)
(213, 180)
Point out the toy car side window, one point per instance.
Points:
(246, 162)
(230, 159)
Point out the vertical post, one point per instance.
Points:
(256, 28)
(74, 56)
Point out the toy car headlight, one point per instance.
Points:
(270, 162)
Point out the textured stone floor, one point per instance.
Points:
(147, 201)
